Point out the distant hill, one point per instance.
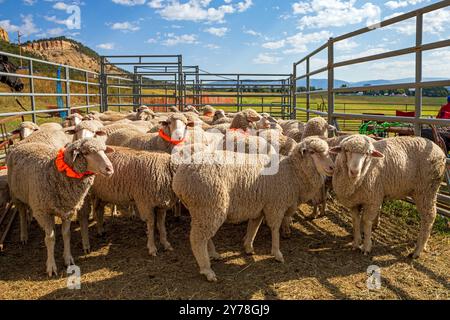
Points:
(59, 50)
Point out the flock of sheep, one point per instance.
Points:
(222, 167)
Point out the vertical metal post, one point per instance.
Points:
(238, 94)
(308, 88)
(197, 88)
(32, 98)
(103, 79)
(86, 78)
(140, 90)
(330, 81)
(180, 83)
(68, 104)
(294, 92)
(418, 93)
(119, 101)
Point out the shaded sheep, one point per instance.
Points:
(369, 171)
(215, 192)
(143, 179)
(36, 180)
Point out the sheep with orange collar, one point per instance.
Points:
(63, 179)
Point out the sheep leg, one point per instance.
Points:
(161, 224)
(99, 210)
(427, 209)
(47, 222)
(23, 222)
(83, 219)
(252, 230)
(199, 245)
(287, 222)
(369, 215)
(68, 259)
(212, 251)
(356, 217)
(274, 221)
(151, 234)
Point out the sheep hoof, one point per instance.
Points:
(51, 269)
(414, 255)
(279, 257)
(210, 275)
(215, 256)
(167, 246)
(68, 261)
(24, 242)
(152, 252)
(366, 252)
(356, 246)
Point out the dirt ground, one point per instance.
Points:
(319, 264)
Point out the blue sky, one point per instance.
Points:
(237, 35)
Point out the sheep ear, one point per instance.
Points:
(164, 123)
(377, 154)
(17, 131)
(190, 124)
(109, 149)
(335, 150)
(330, 127)
(100, 133)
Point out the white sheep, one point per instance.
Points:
(368, 172)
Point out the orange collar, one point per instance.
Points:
(165, 137)
(244, 132)
(62, 166)
(209, 114)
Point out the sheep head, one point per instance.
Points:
(26, 129)
(317, 150)
(89, 155)
(356, 152)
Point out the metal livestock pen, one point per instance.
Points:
(159, 81)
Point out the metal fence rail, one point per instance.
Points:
(418, 85)
(75, 83)
(330, 111)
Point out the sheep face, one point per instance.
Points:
(98, 162)
(26, 129)
(318, 151)
(176, 125)
(90, 155)
(75, 119)
(356, 152)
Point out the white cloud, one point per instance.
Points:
(243, 6)
(403, 3)
(152, 40)
(251, 32)
(365, 53)
(212, 46)
(27, 27)
(274, 44)
(335, 13)
(219, 32)
(173, 40)
(197, 10)
(298, 43)
(346, 45)
(106, 46)
(156, 4)
(29, 2)
(264, 58)
(129, 3)
(125, 26)
(435, 22)
(301, 7)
